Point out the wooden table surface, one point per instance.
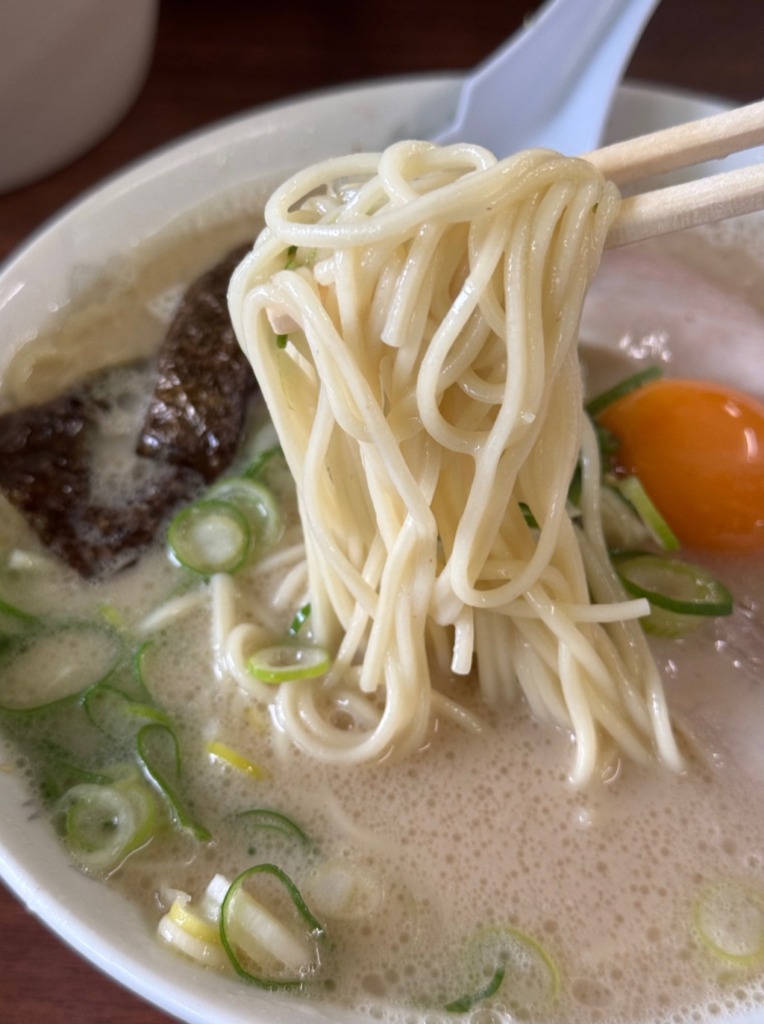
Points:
(214, 58)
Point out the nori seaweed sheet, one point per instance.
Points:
(191, 431)
(46, 473)
(204, 382)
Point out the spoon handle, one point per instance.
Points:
(552, 82)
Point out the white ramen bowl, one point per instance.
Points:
(247, 153)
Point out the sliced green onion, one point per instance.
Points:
(505, 955)
(190, 933)
(281, 340)
(115, 712)
(209, 536)
(274, 821)
(112, 616)
(258, 465)
(62, 774)
(528, 516)
(56, 664)
(17, 614)
(465, 1003)
(104, 705)
(285, 662)
(595, 405)
(220, 751)
(145, 804)
(142, 667)
(301, 617)
(631, 488)
(256, 503)
(243, 919)
(674, 586)
(159, 753)
(729, 919)
(103, 824)
(621, 525)
(194, 923)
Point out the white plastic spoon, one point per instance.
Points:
(552, 83)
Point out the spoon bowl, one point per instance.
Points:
(551, 84)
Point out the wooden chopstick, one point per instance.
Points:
(709, 138)
(701, 201)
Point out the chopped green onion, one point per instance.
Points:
(595, 405)
(729, 919)
(209, 536)
(528, 516)
(57, 664)
(13, 612)
(673, 586)
(194, 923)
(256, 468)
(187, 931)
(285, 662)
(103, 824)
(507, 956)
(274, 821)
(301, 617)
(242, 919)
(115, 712)
(61, 774)
(141, 666)
(465, 1003)
(290, 257)
(256, 503)
(159, 753)
(281, 340)
(631, 488)
(220, 751)
(622, 527)
(112, 616)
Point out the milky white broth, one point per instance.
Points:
(475, 830)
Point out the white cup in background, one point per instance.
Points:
(69, 69)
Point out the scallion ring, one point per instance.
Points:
(282, 663)
(729, 920)
(17, 614)
(228, 910)
(301, 616)
(56, 663)
(675, 586)
(159, 752)
(103, 824)
(274, 821)
(512, 959)
(260, 462)
(466, 1002)
(116, 712)
(624, 387)
(632, 490)
(232, 758)
(209, 536)
(256, 502)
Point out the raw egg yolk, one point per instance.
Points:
(698, 449)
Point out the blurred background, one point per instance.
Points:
(216, 58)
